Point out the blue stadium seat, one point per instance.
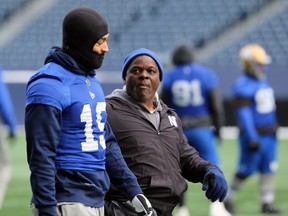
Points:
(155, 24)
(8, 6)
(272, 35)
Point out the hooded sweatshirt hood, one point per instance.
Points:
(57, 56)
(82, 27)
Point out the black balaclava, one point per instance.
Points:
(82, 28)
(183, 54)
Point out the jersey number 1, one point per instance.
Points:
(86, 116)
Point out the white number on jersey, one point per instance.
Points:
(86, 116)
(187, 93)
(265, 101)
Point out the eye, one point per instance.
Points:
(152, 72)
(135, 71)
(101, 41)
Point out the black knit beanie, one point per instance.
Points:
(82, 28)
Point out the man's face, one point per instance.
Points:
(101, 46)
(143, 79)
(256, 70)
(98, 52)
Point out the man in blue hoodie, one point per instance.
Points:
(71, 150)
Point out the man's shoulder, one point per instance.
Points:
(116, 103)
(52, 73)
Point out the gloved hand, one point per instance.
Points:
(217, 133)
(142, 205)
(218, 137)
(215, 184)
(254, 145)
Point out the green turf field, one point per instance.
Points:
(18, 195)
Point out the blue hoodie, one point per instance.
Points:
(71, 149)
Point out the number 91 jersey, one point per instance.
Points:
(82, 104)
(187, 87)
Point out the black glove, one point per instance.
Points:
(217, 132)
(215, 184)
(254, 145)
(217, 135)
(142, 205)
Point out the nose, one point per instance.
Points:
(144, 74)
(105, 47)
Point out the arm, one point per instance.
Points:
(6, 108)
(245, 118)
(216, 110)
(43, 128)
(196, 169)
(120, 175)
(192, 165)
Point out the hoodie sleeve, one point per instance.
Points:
(192, 165)
(120, 175)
(42, 137)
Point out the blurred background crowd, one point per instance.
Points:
(216, 28)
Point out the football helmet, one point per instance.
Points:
(253, 58)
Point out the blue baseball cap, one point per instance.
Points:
(138, 52)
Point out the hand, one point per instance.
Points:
(142, 205)
(254, 145)
(217, 135)
(215, 184)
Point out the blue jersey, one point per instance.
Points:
(255, 110)
(187, 87)
(82, 103)
(261, 109)
(191, 90)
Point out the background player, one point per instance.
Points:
(255, 113)
(192, 90)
